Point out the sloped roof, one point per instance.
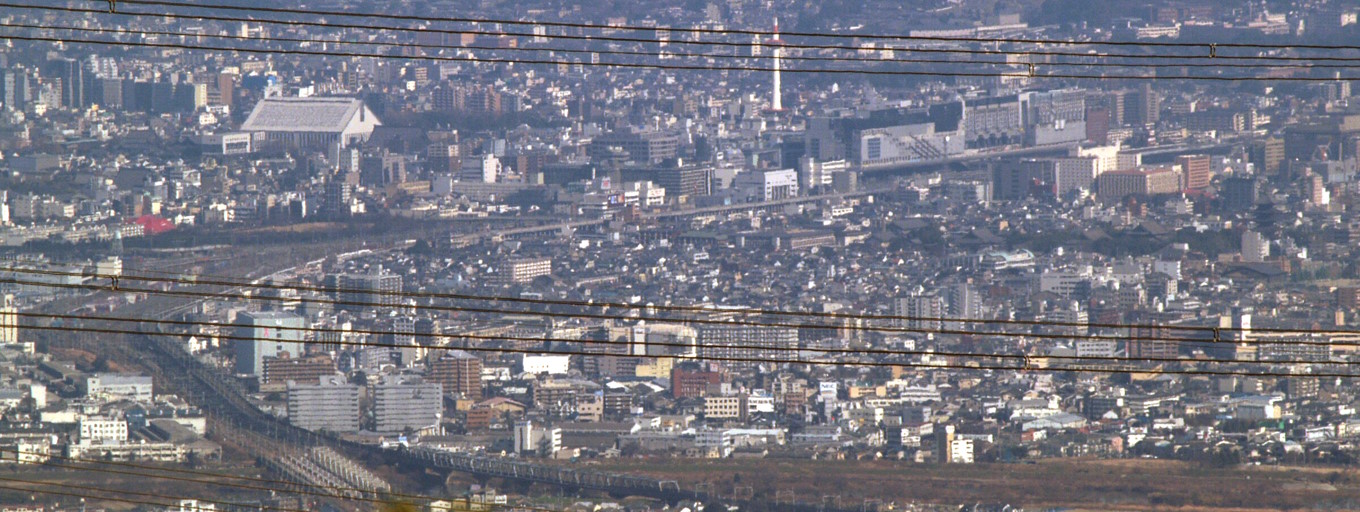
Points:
(302, 114)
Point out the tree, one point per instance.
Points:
(422, 247)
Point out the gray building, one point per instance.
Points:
(332, 405)
(401, 405)
(361, 292)
(266, 334)
(743, 342)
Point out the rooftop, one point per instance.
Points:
(304, 114)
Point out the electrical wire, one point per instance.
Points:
(894, 60)
(602, 316)
(278, 39)
(185, 279)
(673, 67)
(712, 31)
(967, 51)
(724, 346)
(1025, 360)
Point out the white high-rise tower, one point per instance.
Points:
(776, 102)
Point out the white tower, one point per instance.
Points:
(776, 103)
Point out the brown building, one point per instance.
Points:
(1116, 185)
(1196, 171)
(1152, 341)
(302, 370)
(1267, 155)
(472, 99)
(1348, 297)
(459, 373)
(687, 383)
(1098, 124)
(480, 417)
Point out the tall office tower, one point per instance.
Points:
(459, 373)
(920, 311)
(1143, 106)
(740, 342)
(266, 334)
(9, 321)
(71, 72)
(399, 406)
(15, 90)
(1196, 171)
(359, 292)
(331, 405)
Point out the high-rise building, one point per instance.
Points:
(443, 157)
(691, 383)
(1196, 171)
(401, 406)
(1098, 124)
(16, 91)
(680, 181)
(71, 72)
(226, 89)
(643, 147)
(944, 444)
(482, 169)
(266, 334)
(359, 292)
(331, 405)
(743, 342)
(920, 311)
(1152, 341)
(382, 170)
(109, 93)
(1116, 185)
(523, 270)
(302, 370)
(1143, 106)
(459, 372)
(9, 321)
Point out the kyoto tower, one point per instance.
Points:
(776, 103)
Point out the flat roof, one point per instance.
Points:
(331, 114)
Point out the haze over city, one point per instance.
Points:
(454, 255)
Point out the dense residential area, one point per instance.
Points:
(564, 256)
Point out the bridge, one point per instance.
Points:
(512, 469)
(570, 478)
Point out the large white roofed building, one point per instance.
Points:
(312, 122)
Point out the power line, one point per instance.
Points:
(1025, 359)
(601, 316)
(228, 282)
(217, 280)
(588, 38)
(698, 30)
(794, 349)
(1217, 333)
(935, 74)
(183, 46)
(277, 39)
